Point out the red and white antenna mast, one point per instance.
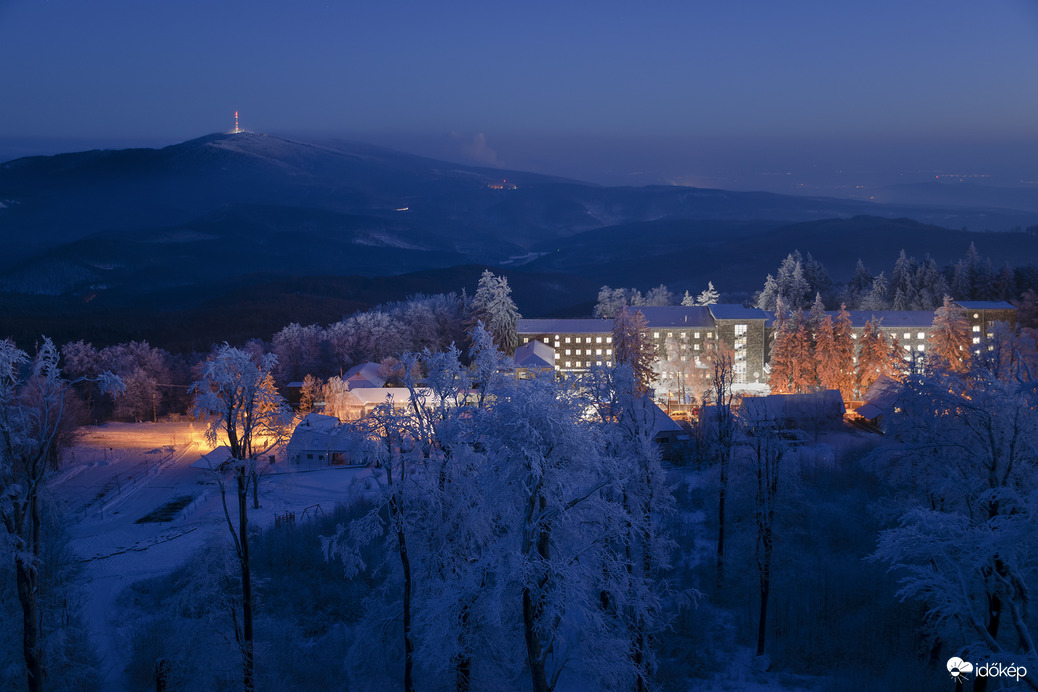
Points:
(236, 128)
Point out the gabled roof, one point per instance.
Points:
(676, 315)
(364, 375)
(317, 421)
(880, 397)
(985, 305)
(534, 355)
(563, 326)
(214, 459)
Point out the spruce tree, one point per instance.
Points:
(802, 375)
(631, 345)
(781, 356)
(949, 341)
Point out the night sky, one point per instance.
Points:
(776, 95)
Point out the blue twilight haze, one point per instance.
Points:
(785, 96)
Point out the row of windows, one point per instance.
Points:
(583, 364)
(598, 352)
(683, 335)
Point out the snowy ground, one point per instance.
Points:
(118, 473)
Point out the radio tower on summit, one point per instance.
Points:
(236, 129)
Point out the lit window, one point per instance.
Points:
(991, 335)
(710, 335)
(854, 336)
(609, 364)
(695, 347)
(600, 363)
(568, 364)
(567, 339)
(976, 339)
(526, 339)
(695, 335)
(921, 335)
(577, 364)
(609, 339)
(907, 347)
(556, 337)
(976, 315)
(609, 351)
(568, 352)
(684, 335)
(655, 335)
(598, 339)
(740, 329)
(598, 351)
(920, 348)
(976, 327)
(908, 335)
(670, 335)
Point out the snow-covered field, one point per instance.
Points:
(121, 472)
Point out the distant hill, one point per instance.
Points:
(128, 236)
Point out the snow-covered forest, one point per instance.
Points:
(513, 533)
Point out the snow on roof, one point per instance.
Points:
(880, 397)
(566, 326)
(365, 375)
(676, 315)
(214, 459)
(921, 319)
(735, 311)
(534, 354)
(661, 422)
(400, 395)
(317, 421)
(985, 305)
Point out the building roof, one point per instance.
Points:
(735, 311)
(676, 315)
(922, 319)
(214, 459)
(400, 395)
(985, 305)
(534, 355)
(563, 326)
(317, 421)
(880, 397)
(364, 375)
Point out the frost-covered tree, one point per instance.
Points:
(766, 299)
(33, 395)
(300, 351)
(659, 296)
(709, 296)
(767, 452)
(493, 306)
(236, 396)
(961, 452)
(902, 283)
(802, 374)
(723, 377)
(876, 299)
(931, 286)
(949, 338)
(878, 356)
(632, 346)
(828, 366)
(780, 358)
(859, 285)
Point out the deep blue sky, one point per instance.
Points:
(735, 94)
